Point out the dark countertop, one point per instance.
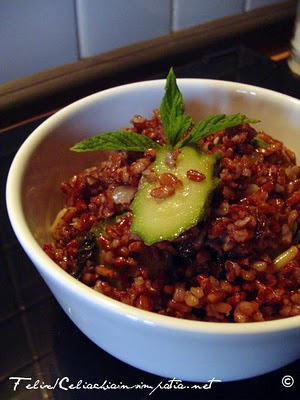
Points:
(39, 341)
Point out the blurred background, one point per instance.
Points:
(36, 35)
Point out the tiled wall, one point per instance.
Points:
(40, 34)
(36, 35)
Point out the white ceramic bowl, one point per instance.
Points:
(187, 350)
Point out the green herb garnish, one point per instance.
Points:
(119, 140)
(260, 143)
(214, 124)
(88, 250)
(175, 124)
(100, 228)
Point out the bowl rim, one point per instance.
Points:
(49, 267)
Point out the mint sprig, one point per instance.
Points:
(174, 122)
(212, 124)
(119, 140)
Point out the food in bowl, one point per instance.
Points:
(186, 349)
(195, 221)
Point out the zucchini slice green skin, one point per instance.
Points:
(156, 220)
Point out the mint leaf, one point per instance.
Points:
(179, 126)
(214, 124)
(119, 140)
(171, 111)
(260, 143)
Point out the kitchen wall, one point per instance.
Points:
(36, 35)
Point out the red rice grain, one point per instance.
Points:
(221, 270)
